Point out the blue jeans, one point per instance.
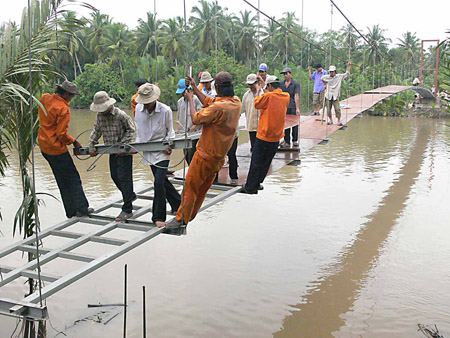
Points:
(164, 189)
(262, 155)
(69, 183)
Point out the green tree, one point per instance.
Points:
(409, 45)
(96, 33)
(146, 35)
(172, 39)
(246, 43)
(379, 43)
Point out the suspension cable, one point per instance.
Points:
(33, 184)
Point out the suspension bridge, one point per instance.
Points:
(122, 237)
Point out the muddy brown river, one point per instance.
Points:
(354, 242)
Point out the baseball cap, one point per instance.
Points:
(223, 78)
(181, 86)
(263, 67)
(332, 69)
(286, 70)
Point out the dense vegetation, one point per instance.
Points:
(105, 55)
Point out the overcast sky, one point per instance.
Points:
(429, 19)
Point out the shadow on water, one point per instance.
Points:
(319, 313)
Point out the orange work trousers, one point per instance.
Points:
(199, 179)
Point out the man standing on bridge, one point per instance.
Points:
(273, 104)
(116, 127)
(219, 120)
(291, 87)
(53, 140)
(333, 84)
(319, 88)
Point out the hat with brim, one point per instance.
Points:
(69, 87)
(251, 79)
(102, 102)
(332, 69)
(148, 93)
(271, 79)
(206, 77)
(262, 67)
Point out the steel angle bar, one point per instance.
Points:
(92, 266)
(179, 142)
(23, 309)
(62, 254)
(55, 253)
(220, 197)
(31, 274)
(14, 247)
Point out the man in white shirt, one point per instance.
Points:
(332, 83)
(206, 80)
(248, 107)
(154, 123)
(184, 122)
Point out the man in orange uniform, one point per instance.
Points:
(219, 120)
(138, 83)
(53, 139)
(272, 104)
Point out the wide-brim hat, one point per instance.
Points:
(206, 77)
(148, 93)
(102, 102)
(251, 79)
(69, 87)
(332, 69)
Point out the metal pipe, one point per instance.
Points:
(125, 301)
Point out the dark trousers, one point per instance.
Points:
(252, 135)
(164, 190)
(189, 153)
(69, 183)
(232, 162)
(287, 132)
(262, 156)
(121, 168)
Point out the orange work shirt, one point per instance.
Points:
(53, 137)
(220, 120)
(200, 86)
(273, 106)
(134, 103)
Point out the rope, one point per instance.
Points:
(348, 81)
(331, 29)
(33, 185)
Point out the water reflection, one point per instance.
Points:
(319, 313)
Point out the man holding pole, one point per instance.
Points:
(291, 87)
(219, 120)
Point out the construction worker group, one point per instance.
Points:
(210, 107)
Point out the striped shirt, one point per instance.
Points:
(115, 127)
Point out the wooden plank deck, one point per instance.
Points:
(311, 132)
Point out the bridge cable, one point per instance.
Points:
(292, 32)
(33, 185)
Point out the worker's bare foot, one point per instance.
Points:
(160, 224)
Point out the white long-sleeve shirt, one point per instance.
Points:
(155, 126)
(334, 85)
(184, 109)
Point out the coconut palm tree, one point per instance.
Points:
(146, 35)
(96, 33)
(409, 45)
(247, 44)
(208, 20)
(379, 43)
(172, 39)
